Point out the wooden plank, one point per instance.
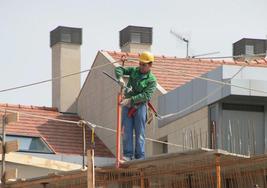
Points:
(11, 174)
(165, 158)
(90, 169)
(65, 176)
(218, 170)
(41, 162)
(1, 148)
(11, 146)
(142, 179)
(13, 117)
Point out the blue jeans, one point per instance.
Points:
(135, 123)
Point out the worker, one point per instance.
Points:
(134, 111)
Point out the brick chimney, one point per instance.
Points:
(65, 43)
(136, 39)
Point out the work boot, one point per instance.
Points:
(125, 159)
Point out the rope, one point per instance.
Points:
(123, 59)
(212, 80)
(93, 137)
(109, 129)
(209, 79)
(90, 125)
(201, 100)
(58, 77)
(235, 56)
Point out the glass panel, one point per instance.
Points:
(31, 144)
(38, 145)
(24, 142)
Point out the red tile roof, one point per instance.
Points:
(164, 67)
(64, 138)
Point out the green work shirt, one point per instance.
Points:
(143, 85)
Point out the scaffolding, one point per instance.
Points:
(199, 168)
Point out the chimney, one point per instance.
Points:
(249, 47)
(66, 59)
(136, 39)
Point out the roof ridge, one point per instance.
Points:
(198, 66)
(221, 61)
(29, 107)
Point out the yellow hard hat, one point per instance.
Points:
(146, 57)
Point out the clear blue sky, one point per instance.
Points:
(211, 25)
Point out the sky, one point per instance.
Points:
(25, 54)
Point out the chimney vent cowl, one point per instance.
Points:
(136, 39)
(66, 35)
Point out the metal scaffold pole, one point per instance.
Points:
(3, 164)
(218, 170)
(118, 138)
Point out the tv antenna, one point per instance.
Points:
(210, 53)
(178, 36)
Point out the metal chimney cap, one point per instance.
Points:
(66, 35)
(136, 34)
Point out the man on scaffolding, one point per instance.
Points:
(134, 112)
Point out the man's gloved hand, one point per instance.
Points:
(121, 82)
(126, 102)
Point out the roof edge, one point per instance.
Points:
(29, 107)
(87, 77)
(110, 58)
(215, 60)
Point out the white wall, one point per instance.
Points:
(26, 171)
(66, 59)
(98, 99)
(189, 132)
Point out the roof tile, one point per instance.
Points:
(164, 67)
(62, 137)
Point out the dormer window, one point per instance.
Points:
(30, 144)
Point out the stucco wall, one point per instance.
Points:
(97, 104)
(97, 100)
(65, 60)
(26, 171)
(136, 47)
(188, 132)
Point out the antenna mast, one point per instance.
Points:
(182, 39)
